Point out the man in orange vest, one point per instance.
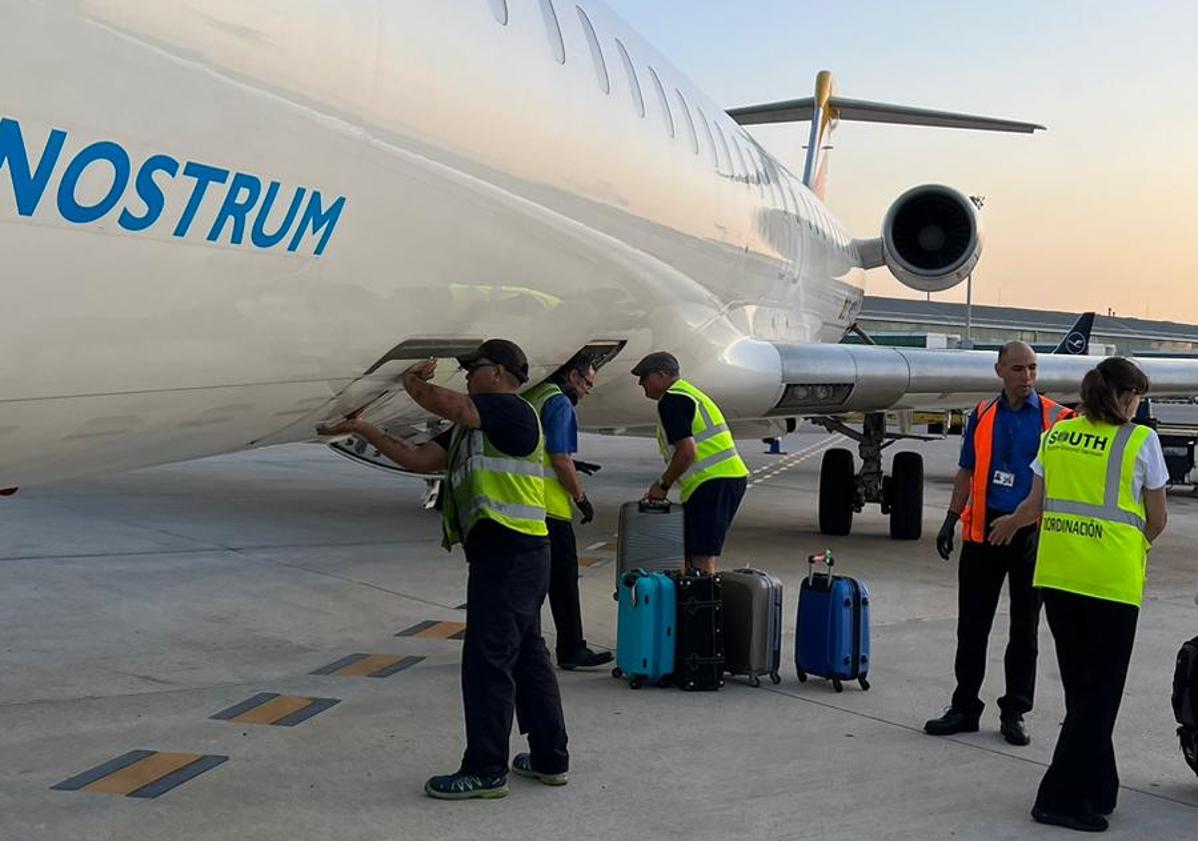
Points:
(1001, 442)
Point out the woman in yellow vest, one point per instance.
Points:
(1099, 492)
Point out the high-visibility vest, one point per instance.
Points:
(715, 451)
(1092, 538)
(485, 483)
(973, 528)
(557, 498)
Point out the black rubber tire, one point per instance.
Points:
(617, 672)
(637, 682)
(802, 677)
(775, 678)
(837, 685)
(837, 480)
(906, 496)
(754, 681)
(864, 684)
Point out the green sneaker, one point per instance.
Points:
(461, 786)
(522, 765)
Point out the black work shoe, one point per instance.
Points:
(1014, 732)
(1090, 822)
(461, 786)
(583, 658)
(522, 766)
(953, 721)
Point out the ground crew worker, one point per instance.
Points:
(994, 476)
(494, 505)
(554, 401)
(1100, 491)
(700, 456)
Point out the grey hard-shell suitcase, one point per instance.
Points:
(649, 537)
(752, 624)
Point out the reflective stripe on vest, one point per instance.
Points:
(1092, 531)
(973, 529)
(485, 483)
(715, 451)
(557, 498)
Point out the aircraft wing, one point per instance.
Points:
(824, 379)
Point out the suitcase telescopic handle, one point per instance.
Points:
(824, 558)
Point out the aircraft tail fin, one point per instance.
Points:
(1077, 340)
(826, 109)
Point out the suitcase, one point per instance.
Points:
(832, 628)
(645, 628)
(1185, 701)
(699, 656)
(752, 624)
(649, 537)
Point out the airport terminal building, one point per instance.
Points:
(942, 324)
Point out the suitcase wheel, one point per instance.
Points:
(754, 680)
(775, 678)
(837, 685)
(617, 672)
(802, 677)
(864, 684)
(637, 682)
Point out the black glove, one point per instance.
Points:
(586, 467)
(588, 510)
(944, 537)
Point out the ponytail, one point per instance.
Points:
(1104, 387)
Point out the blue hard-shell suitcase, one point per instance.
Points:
(645, 635)
(832, 628)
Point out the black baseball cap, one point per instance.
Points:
(659, 360)
(507, 354)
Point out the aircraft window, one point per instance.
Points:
(553, 31)
(719, 133)
(499, 9)
(690, 122)
(633, 84)
(665, 103)
(596, 52)
(715, 158)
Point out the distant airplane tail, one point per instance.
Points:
(1077, 340)
(826, 109)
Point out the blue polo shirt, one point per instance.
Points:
(1016, 444)
(561, 425)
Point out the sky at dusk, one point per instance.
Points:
(1100, 211)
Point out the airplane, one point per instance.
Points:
(224, 223)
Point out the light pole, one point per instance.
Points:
(978, 201)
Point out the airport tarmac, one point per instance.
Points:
(135, 607)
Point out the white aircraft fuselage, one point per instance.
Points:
(216, 216)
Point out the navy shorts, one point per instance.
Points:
(707, 515)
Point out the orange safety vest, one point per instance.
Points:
(974, 530)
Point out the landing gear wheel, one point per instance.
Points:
(906, 496)
(637, 682)
(754, 681)
(617, 672)
(775, 678)
(864, 684)
(802, 677)
(837, 480)
(837, 685)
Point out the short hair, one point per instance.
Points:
(1014, 344)
(580, 363)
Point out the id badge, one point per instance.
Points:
(1004, 478)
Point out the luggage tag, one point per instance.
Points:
(1004, 478)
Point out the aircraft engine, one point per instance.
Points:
(931, 238)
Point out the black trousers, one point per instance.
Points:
(980, 575)
(563, 586)
(1094, 639)
(505, 665)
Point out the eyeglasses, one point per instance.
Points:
(590, 384)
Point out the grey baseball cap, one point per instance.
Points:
(659, 360)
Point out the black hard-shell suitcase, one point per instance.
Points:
(699, 632)
(1185, 701)
(752, 624)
